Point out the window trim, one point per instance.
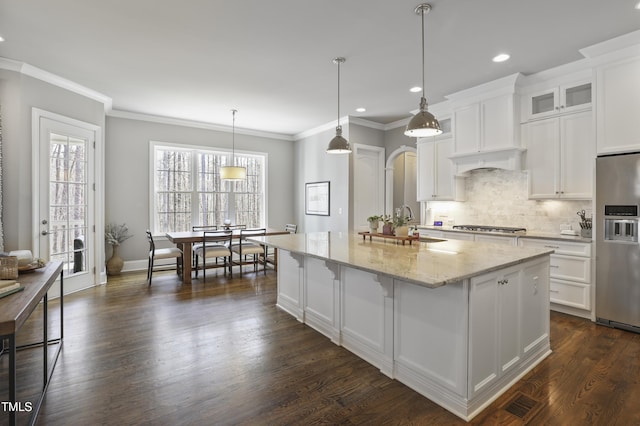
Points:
(153, 145)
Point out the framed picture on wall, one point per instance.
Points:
(316, 198)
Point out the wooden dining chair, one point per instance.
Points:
(215, 244)
(244, 248)
(163, 253)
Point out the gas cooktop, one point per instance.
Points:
(484, 228)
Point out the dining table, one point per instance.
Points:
(184, 240)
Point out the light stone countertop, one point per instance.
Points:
(430, 264)
(528, 234)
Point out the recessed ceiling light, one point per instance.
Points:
(361, 109)
(638, 5)
(415, 89)
(501, 57)
(1, 39)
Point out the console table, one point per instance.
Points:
(14, 311)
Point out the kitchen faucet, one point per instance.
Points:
(401, 209)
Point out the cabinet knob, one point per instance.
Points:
(561, 106)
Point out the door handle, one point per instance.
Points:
(45, 232)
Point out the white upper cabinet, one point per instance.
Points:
(555, 100)
(486, 125)
(560, 156)
(618, 106)
(486, 130)
(436, 180)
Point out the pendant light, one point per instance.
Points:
(338, 144)
(233, 172)
(423, 123)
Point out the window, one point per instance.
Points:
(187, 189)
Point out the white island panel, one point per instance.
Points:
(430, 347)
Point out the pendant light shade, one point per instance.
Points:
(423, 123)
(233, 172)
(338, 145)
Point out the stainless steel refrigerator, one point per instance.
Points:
(617, 248)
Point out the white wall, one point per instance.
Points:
(313, 164)
(127, 173)
(18, 95)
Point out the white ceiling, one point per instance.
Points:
(272, 60)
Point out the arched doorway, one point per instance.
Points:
(401, 181)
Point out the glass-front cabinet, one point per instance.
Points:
(558, 100)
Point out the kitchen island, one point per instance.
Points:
(457, 321)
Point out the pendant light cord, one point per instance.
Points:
(423, 88)
(338, 62)
(233, 138)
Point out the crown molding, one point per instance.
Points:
(55, 80)
(398, 123)
(322, 128)
(346, 120)
(196, 124)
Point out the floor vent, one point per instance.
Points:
(523, 407)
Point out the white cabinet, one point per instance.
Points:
(503, 306)
(618, 106)
(485, 126)
(456, 235)
(570, 272)
(486, 130)
(554, 100)
(560, 156)
(496, 239)
(436, 180)
(485, 238)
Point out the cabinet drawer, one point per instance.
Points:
(429, 233)
(570, 294)
(571, 268)
(560, 247)
(457, 236)
(511, 241)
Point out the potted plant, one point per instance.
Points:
(115, 235)
(400, 225)
(387, 225)
(374, 222)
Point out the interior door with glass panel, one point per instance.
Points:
(65, 199)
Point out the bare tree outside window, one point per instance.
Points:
(188, 190)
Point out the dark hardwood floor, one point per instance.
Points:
(222, 353)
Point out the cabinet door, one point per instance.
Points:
(575, 97)
(509, 319)
(497, 122)
(542, 144)
(425, 183)
(443, 173)
(618, 106)
(466, 133)
(543, 104)
(535, 306)
(483, 330)
(577, 156)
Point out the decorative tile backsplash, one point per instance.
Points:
(499, 198)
